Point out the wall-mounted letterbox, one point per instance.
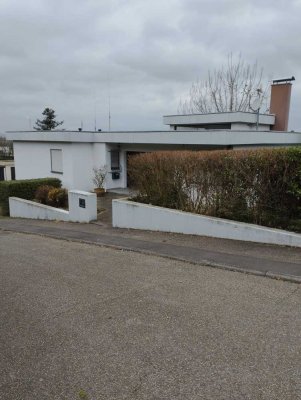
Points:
(82, 203)
(115, 175)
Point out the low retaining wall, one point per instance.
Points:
(28, 209)
(129, 214)
(82, 208)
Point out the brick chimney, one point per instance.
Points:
(280, 103)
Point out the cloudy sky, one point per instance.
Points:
(70, 54)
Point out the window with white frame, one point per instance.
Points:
(56, 159)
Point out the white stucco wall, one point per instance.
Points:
(82, 214)
(21, 208)
(78, 212)
(32, 160)
(240, 126)
(8, 173)
(218, 118)
(82, 166)
(102, 157)
(129, 214)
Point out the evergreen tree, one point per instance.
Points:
(48, 122)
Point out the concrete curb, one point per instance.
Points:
(205, 263)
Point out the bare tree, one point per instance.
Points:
(233, 87)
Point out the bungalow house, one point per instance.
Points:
(72, 155)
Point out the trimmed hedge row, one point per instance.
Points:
(256, 186)
(25, 189)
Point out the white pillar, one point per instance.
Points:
(82, 206)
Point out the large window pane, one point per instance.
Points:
(56, 156)
(115, 163)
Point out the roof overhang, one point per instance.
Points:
(207, 137)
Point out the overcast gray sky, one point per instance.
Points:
(66, 54)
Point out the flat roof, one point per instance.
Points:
(206, 137)
(219, 118)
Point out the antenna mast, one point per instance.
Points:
(109, 113)
(255, 106)
(95, 114)
(109, 95)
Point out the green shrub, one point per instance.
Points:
(57, 197)
(257, 186)
(25, 189)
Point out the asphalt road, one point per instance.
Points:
(81, 321)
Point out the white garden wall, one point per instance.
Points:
(129, 214)
(82, 208)
(20, 208)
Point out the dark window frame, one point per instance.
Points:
(2, 174)
(13, 173)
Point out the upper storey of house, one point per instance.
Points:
(228, 120)
(277, 120)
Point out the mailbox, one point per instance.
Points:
(115, 175)
(82, 203)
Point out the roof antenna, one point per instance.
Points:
(255, 106)
(109, 95)
(95, 113)
(109, 113)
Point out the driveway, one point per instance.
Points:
(81, 321)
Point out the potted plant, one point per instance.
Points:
(99, 179)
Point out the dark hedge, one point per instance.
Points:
(256, 186)
(25, 189)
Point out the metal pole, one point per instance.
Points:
(257, 120)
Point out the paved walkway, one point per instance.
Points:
(104, 207)
(267, 260)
